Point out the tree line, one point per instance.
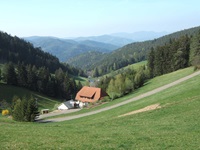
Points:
(124, 83)
(58, 84)
(135, 52)
(179, 53)
(25, 109)
(16, 50)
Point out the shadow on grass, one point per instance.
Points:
(43, 121)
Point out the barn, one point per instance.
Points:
(89, 95)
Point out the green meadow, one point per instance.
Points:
(176, 125)
(7, 92)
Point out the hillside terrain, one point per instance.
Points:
(24, 66)
(132, 53)
(65, 49)
(174, 125)
(138, 51)
(72, 49)
(8, 92)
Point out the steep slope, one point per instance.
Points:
(14, 49)
(31, 68)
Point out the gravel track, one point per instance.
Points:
(157, 90)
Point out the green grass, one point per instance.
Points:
(132, 67)
(174, 126)
(150, 85)
(83, 80)
(7, 92)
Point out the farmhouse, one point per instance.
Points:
(89, 95)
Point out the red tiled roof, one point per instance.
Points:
(89, 94)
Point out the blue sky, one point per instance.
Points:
(72, 18)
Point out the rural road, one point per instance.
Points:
(123, 103)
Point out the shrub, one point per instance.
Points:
(106, 99)
(5, 112)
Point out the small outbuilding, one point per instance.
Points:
(67, 105)
(44, 111)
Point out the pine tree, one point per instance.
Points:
(32, 110)
(0, 74)
(25, 110)
(17, 111)
(96, 72)
(150, 64)
(21, 75)
(195, 50)
(10, 74)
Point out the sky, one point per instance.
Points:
(75, 18)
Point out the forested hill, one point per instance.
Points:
(31, 68)
(136, 52)
(16, 50)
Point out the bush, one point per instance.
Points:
(5, 112)
(106, 99)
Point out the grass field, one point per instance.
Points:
(174, 126)
(150, 85)
(7, 92)
(132, 67)
(83, 80)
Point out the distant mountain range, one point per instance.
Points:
(140, 36)
(128, 54)
(66, 49)
(109, 39)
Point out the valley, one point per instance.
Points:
(131, 87)
(178, 114)
(100, 75)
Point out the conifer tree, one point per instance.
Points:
(10, 74)
(25, 110)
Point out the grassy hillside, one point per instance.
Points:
(134, 66)
(8, 91)
(150, 85)
(174, 126)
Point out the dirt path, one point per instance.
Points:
(125, 102)
(148, 108)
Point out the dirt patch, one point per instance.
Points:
(148, 108)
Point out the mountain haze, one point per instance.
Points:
(141, 35)
(65, 49)
(118, 41)
(138, 51)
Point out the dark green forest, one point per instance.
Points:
(17, 50)
(179, 53)
(133, 53)
(30, 67)
(50, 77)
